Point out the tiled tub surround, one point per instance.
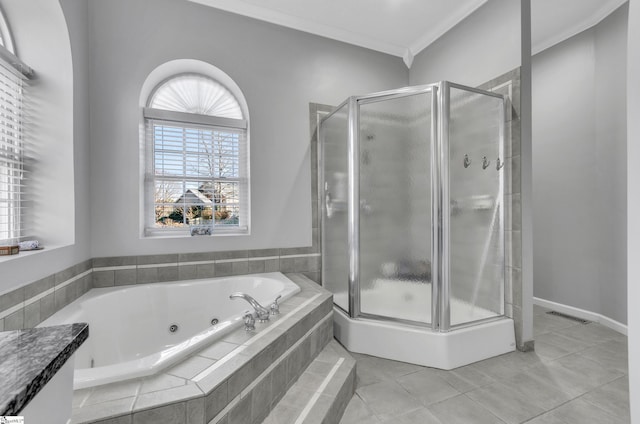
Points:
(238, 379)
(137, 340)
(30, 358)
(31, 304)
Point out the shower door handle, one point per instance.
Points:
(328, 204)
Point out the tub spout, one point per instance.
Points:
(262, 313)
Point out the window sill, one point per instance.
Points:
(28, 253)
(182, 234)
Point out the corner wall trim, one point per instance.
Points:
(582, 313)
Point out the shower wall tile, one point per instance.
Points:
(513, 212)
(114, 261)
(47, 306)
(15, 321)
(39, 286)
(515, 175)
(513, 247)
(196, 257)
(83, 266)
(125, 277)
(146, 275)
(61, 297)
(187, 272)
(231, 254)
(167, 273)
(103, 279)
(11, 299)
(64, 275)
(156, 259)
(224, 269)
(263, 253)
(508, 285)
(240, 268)
(206, 270)
(287, 264)
(256, 266)
(515, 275)
(297, 251)
(313, 264)
(272, 265)
(515, 131)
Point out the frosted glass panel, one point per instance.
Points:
(335, 258)
(395, 208)
(476, 241)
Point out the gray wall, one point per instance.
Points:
(279, 70)
(63, 133)
(483, 46)
(579, 170)
(633, 199)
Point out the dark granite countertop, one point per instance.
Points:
(30, 358)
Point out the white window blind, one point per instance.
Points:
(13, 156)
(197, 166)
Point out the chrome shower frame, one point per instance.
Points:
(440, 201)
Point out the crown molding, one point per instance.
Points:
(304, 25)
(591, 21)
(407, 53)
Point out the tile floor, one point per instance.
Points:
(577, 374)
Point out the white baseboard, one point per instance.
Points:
(582, 313)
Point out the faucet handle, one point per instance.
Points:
(249, 322)
(275, 308)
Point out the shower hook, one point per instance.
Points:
(499, 164)
(485, 162)
(466, 161)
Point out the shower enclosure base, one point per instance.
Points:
(422, 346)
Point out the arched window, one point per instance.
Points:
(197, 140)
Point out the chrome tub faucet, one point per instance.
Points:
(262, 313)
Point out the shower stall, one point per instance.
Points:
(412, 184)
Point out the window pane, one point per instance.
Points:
(226, 215)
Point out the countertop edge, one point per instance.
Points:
(24, 396)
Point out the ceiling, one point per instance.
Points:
(403, 28)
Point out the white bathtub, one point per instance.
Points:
(129, 326)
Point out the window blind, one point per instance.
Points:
(199, 177)
(13, 156)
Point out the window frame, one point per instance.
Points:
(153, 116)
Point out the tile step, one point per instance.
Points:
(321, 393)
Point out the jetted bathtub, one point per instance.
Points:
(130, 327)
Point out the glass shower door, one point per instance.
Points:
(335, 254)
(476, 228)
(395, 206)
